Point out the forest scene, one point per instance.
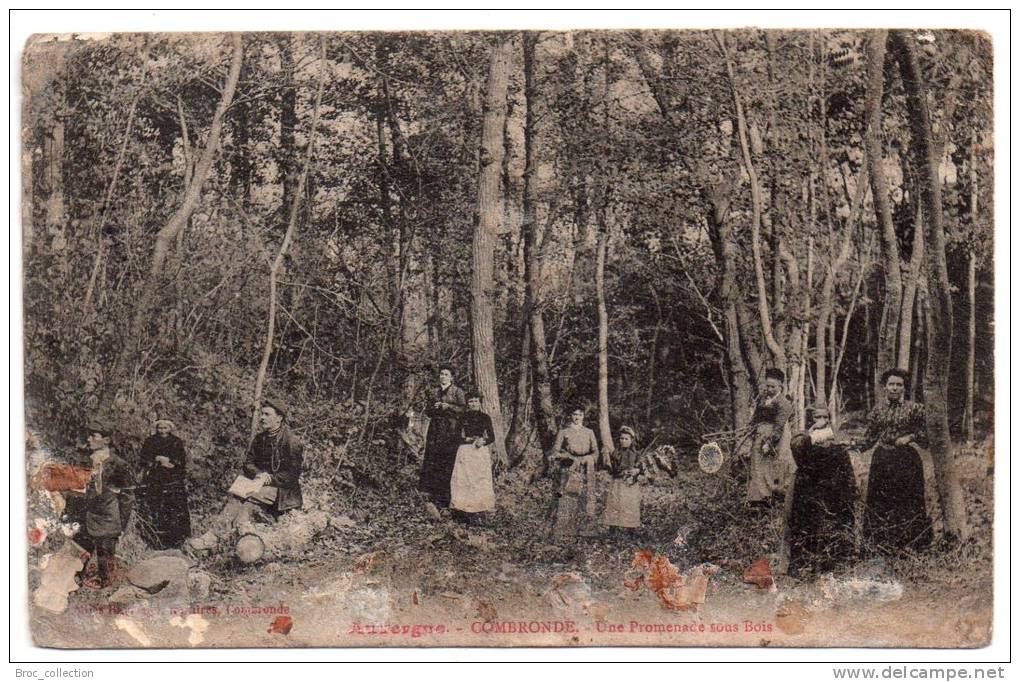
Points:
(353, 237)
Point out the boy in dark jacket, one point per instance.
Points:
(109, 499)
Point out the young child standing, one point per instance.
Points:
(623, 504)
(108, 502)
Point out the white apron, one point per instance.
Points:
(471, 485)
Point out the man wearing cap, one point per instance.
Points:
(771, 460)
(274, 459)
(109, 499)
(821, 523)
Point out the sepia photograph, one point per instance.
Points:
(508, 338)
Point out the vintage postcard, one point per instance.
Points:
(512, 338)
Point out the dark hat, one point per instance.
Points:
(276, 404)
(629, 431)
(473, 393)
(775, 373)
(99, 426)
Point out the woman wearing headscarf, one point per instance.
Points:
(895, 517)
(166, 523)
(442, 438)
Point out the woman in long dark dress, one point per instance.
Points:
(822, 513)
(895, 517)
(442, 439)
(166, 523)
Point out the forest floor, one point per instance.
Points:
(383, 573)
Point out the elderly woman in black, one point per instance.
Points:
(895, 517)
(821, 522)
(164, 495)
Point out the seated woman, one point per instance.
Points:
(895, 517)
(822, 513)
(471, 483)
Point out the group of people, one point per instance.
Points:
(812, 474)
(273, 464)
(456, 471)
(809, 472)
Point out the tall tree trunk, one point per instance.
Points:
(914, 274)
(288, 238)
(519, 435)
(915, 270)
(968, 410)
(536, 361)
(169, 232)
(484, 242)
(541, 389)
(286, 153)
(775, 348)
(720, 235)
(602, 245)
(411, 278)
(605, 432)
(880, 197)
(940, 331)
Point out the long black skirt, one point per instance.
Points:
(437, 470)
(895, 517)
(165, 522)
(822, 514)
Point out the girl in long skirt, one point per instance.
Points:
(623, 503)
(471, 490)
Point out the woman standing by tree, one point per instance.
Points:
(895, 518)
(442, 439)
(575, 452)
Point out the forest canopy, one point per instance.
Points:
(642, 222)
